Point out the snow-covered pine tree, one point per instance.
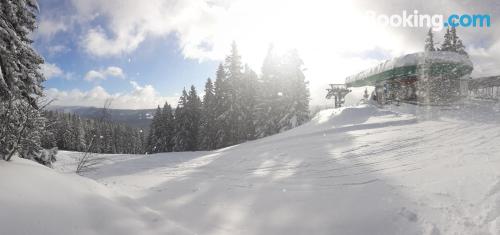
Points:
(193, 111)
(453, 39)
(296, 94)
(108, 137)
(234, 116)
(20, 75)
(78, 134)
(208, 127)
(182, 124)
(457, 43)
(167, 129)
(154, 132)
(268, 96)
(460, 48)
(429, 41)
(248, 101)
(447, 44)
(20, 79)
(33, 125)
(222, 104)
(283, 100)
(49, 139)
(141, 144)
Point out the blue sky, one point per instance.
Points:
(157, 61)
(142, 53)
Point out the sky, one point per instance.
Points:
(143, 53)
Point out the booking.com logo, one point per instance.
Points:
(436, 22)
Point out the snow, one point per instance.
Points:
(412, 60)
(355, 97)
(352, 170)
(37, 200)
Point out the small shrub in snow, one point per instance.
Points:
(46, 156)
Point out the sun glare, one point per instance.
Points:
(328, 35)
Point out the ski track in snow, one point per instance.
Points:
(359, 170)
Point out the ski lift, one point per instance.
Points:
(338, 91)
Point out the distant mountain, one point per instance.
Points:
(140, 118)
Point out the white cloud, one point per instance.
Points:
(102, 74)
(114, 71)
(57, 49)
(140, 97)
(97, 43)
(48, 28)
(94, 75)
(128, 25)
(486, 60)
(51, 70)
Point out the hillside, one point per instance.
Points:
(358, 170)
(140, 118)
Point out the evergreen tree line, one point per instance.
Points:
(238, 106)
(451, 42)
(68, 131)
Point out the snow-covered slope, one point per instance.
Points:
(37, 200)
(357, 170)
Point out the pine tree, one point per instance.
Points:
(452, 42)
(429, 41)
(222, 105)
(460, 48)
(457, 43)
(269, 96)
(79, 135)
(283, 101)
(208, 127)
(447, 44)
(453, 39)
(233, 63)
(141, 144)
(49, 139)
(181, 124)
(33, 127)
(167, 129)
(20, 80)
(187, 116)
(193, 109)
(20, 75)
(233, 67)
(248, 100)
(296, 95)
(154, 132)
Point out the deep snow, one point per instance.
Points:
(37, 200)
(355, 170)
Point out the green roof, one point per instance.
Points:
(439, 63)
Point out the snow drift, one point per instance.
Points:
(37, 200)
